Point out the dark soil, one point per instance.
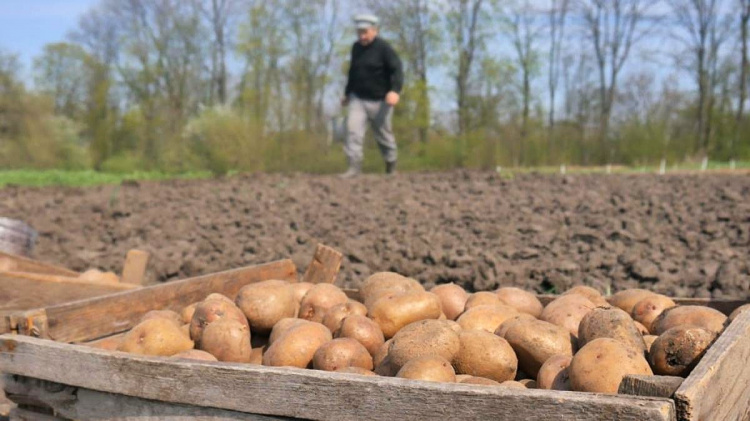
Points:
(683, 235)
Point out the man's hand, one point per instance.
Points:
(392, 98)
(344, 101)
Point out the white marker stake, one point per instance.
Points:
(732, 165)
(609, 168)
(663, 167)
(499, 169)
(563, 169)
(704, 164)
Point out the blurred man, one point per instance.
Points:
(376, 77)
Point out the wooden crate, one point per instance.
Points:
(72, 381)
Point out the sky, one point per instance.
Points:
(27, 25)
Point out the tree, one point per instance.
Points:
(614, 27)
(557, 18)
(744, 68)
(62, 72)
(466, 24)
(220, 15)
(702, 34)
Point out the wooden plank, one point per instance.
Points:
(324, 267)
(19, 414)
(42, 277)
(717, 389)
(135, 267)
(657, 386)
(308, 394)
(94, 318)
(24, 264)
(80, 403)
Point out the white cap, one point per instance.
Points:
(366, 21)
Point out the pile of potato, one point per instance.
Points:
(579, 341)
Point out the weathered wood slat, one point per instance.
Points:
(24, 264)
(43, 277)
(20, 414)
(134, 269)
(657, 386)
(98, 317)
(307, 393)
(717, 389)
(84, 404)
(324, 267)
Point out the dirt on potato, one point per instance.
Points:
(686, 235)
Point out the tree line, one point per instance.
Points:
(180, 85)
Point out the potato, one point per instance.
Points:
(535, 341)
(382, 352)
(423, 338)
(483, 298)
(392, 313)
(356, 370)
(699, 316)
(738, 311)
(649, 308)
(333, 318)
(483, 354)
(479, 381)
(429, 368)
(554, 374)
(641, 328)
(185, 330)
(567, 311)
(363, 330)
(520, 317)
(318, 300)
(187, 313)
(627, 299)
(382, 283)
(340, 353)
(610, 323)
(523, 301)
(163, 314)
(513, 384)
(453, 325)
(193, 354)
(462, 377)
(228, 340)
(649, 341)
(217, 296)
(282, 327)
(486, 318)
(265, 303)
(211, 310)
(601, 364)
(678, 350)
(528, 383)
(300, 289)
(452, 299)
(297, 346)
(256, 356)
(590, 293)
(159, 337)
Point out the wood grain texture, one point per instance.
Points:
(324, 267)
(94, 318)
(307, 393)
(134, 269)
(24, 264)
(657, 386)
(717, 389)
(85, 404)
(43, 277)
(20, 414)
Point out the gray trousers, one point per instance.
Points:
(379, 115)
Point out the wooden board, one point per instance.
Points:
(57, 279)
(324, 267)
(307, 394)
(718, 388)
(80, 403)
(94, 318)
(24, 264)
(134, 269)
(658, 386)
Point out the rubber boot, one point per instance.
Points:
(390, 168)
(355, 169)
